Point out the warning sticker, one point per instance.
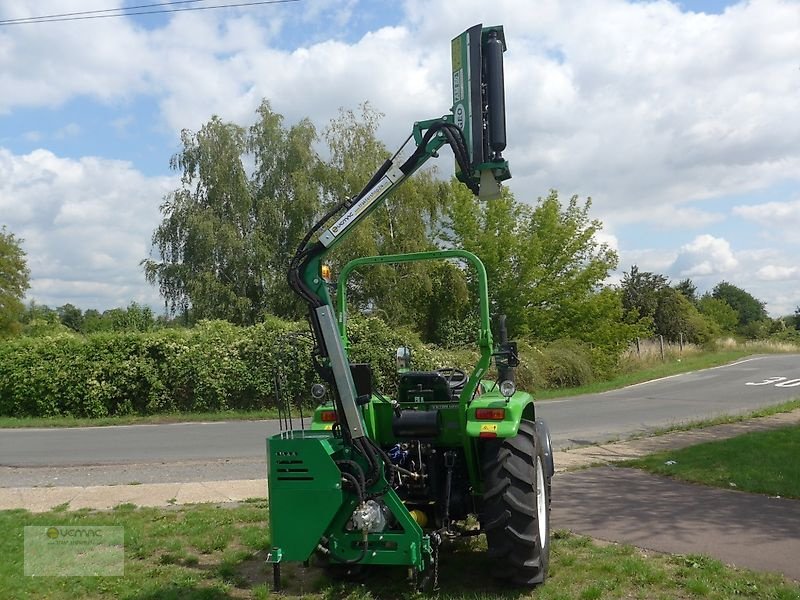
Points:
(368, 200)
(456, 48)
(489, 427)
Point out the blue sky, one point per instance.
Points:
(677, 118)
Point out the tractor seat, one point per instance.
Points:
(423, 386)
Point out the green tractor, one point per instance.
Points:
(387, 481)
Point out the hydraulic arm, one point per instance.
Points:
(475, 131)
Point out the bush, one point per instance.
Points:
(217, 366)
(564, 363)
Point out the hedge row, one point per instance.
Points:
(217, 366)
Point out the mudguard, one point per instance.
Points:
(543, 433)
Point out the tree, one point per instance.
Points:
(748, 308)
(14, 282)
(641, 291)
(135, 317)
(718, 311)
(223, 241)
(406, 294)
(676, 316)
(797, 318)
(71, 316)
(688, 289)
(544, 264)
(226, 238)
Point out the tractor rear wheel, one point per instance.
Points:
(516, 507)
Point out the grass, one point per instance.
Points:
(766, 411)
(214, 553)
(229, 415)
(693, 362)
(764, 462)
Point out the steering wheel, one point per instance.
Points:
(455, 377)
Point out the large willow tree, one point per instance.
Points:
(227, 230)
(14, 281)
(247, 197)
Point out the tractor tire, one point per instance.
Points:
(516, 507)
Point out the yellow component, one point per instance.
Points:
(326, 273)
(329, 427)
(492, 427)
(420, 517)
(456, 50)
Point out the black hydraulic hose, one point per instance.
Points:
(351, 479)
(366, 449)
(356, 469)
(349, 561)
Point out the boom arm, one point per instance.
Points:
(477, 92)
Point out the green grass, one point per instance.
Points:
(694, 362)
(765, 411)
(230, 415)
(214, 553)
(763, 462)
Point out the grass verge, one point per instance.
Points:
(214, 553)
(763, 462)
(229, 415)
(683, 365)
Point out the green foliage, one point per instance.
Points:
(641, 291)
(217, 366)
(14, 281)
(211, 367)
(224, 241)
(226, 238)
(71, 316)
(411, 294)
(545, 268)
(748, 308)
(675, 316)
(719, 311)
(564, 363)
(688, 289)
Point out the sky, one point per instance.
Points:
(679, 119)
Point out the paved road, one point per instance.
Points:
(728, 389)
(235, 450)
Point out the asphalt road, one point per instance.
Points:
(235, 449)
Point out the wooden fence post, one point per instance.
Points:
(661, 343)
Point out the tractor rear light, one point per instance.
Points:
(487, 434)
(328, 416)
(490, 414)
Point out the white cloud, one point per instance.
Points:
(705, 255)
(650, 110)
(777, 218)
(86, 225)
(778, 273)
